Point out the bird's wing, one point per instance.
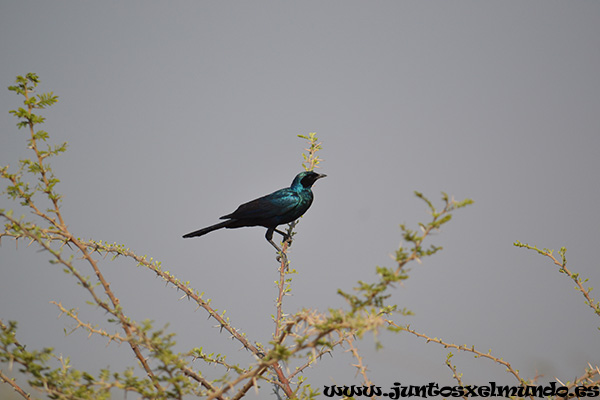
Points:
(272, 205)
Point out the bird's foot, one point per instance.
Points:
(288, 239)
(282, 259)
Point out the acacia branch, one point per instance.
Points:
(169, 278)
(591, 302)
(464, 348)
(47, 189)
(125, 324)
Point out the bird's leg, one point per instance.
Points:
(269, 237)
(281, 257)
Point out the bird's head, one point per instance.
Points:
(306, 179)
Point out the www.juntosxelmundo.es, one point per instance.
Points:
(433, 389)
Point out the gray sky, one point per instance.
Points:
(177, 112)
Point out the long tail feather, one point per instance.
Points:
(208, 229)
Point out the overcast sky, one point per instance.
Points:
(177, 112)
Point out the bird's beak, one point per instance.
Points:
(321, 176)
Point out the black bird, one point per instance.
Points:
(280, 207)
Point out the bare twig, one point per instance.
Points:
(189, 372)
(361, 368)
(14, 385)
(455, 374)
(87, 326)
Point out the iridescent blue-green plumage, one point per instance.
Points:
(278, 208)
